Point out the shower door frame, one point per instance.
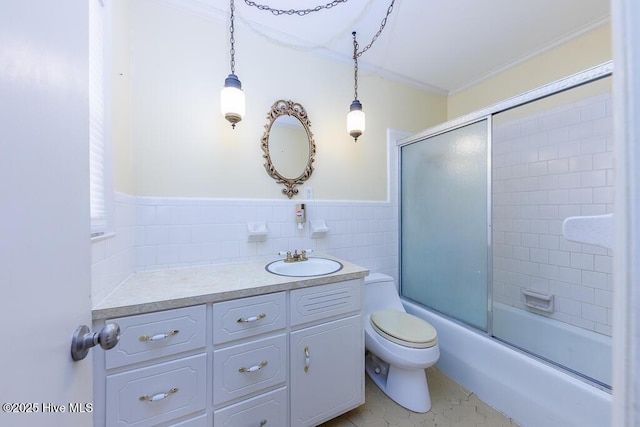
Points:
(590, 75)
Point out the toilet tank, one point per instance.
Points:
(380, 292)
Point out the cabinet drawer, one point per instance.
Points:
(200, 421)
(148, 396)
(248, 368)
(246, 317)
(269, 409)
(319, 302)
(148, 336)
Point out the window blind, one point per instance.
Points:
(97, 118)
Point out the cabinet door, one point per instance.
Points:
(327, 371)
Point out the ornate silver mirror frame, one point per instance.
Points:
(288, 108)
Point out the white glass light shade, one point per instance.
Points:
(232, 102)
(356, 120)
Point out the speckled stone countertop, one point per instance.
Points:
(146, 292)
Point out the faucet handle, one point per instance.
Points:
(287, 253)
(283, 253)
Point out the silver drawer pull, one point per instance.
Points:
(252, 318)
(254, 368)
(307, 359)
(159, 337)
(158, 396)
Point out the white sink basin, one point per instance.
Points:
(310, 267)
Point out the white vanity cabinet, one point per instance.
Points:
(291, 357)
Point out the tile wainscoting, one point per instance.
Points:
(153, 233)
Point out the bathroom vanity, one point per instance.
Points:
(231, 345)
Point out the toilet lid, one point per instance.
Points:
(404, 329)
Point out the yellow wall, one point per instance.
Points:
(121, 97)
(176, 142)
(171, 140)
(579, 54)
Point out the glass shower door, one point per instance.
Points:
(444, 223)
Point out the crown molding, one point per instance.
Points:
(558, 42)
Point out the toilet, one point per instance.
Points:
(399, 346)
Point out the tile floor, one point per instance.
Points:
(451, 406)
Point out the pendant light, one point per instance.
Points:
(232, 102)
(355, 118)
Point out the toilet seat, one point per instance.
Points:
(403, 328)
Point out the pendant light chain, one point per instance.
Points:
(334, 3)
(382, 25)
(232, 99)
(232, 40)
(300, 12)
(355, 67)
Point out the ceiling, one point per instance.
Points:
(440, 45)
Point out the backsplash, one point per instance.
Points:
(185, 232)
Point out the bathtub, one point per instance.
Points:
(578, 349)
(531, 392)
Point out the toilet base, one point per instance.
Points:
(407, 387)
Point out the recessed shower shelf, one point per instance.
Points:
(538, 300)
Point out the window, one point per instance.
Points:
(99, 156)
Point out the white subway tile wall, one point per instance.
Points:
(113, 257)
(173, 232)
(545, 168)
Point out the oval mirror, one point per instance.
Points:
(288, 145)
